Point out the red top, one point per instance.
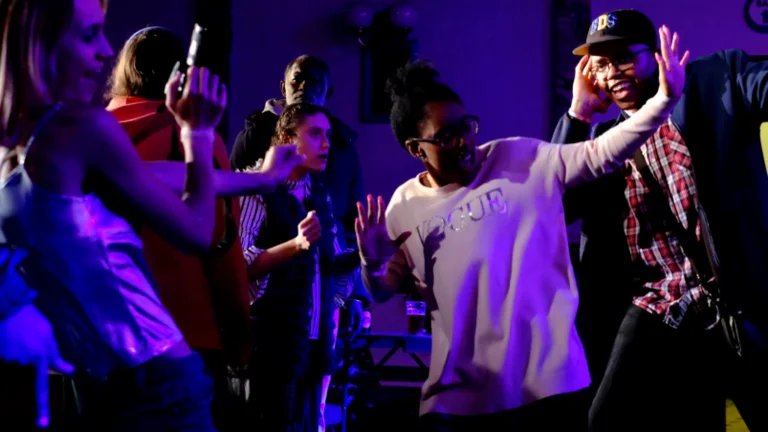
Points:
(204, 294)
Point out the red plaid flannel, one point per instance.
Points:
(666, 271)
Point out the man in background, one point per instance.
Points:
(307, 79)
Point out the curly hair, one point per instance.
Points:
(293, 117)
(411, 89)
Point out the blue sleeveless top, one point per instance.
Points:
(88, 267)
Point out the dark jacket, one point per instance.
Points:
(282, 315)
(342, 176)
(719, 116)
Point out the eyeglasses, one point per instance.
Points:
(622, 62)
(450, 135)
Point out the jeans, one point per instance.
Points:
(163, 394)
(662, 379)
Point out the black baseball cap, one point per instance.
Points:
(628, 26)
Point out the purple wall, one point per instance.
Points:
(493, 52)
(124, 17)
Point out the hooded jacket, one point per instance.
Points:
(206, 295)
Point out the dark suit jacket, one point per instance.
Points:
(719, 116)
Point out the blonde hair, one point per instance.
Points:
(145, 63)
(30, 30)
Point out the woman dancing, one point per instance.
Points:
(490, 255)
(74, 179)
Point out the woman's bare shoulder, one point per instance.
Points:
(84, 126)
(86, 118)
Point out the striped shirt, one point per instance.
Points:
(252, 218)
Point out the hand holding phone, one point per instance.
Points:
(196, 56)
(194, 94)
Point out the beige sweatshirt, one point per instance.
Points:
(491, 259)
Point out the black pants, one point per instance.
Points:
(560, 413)
(747, 381)
(283, 405)
(662, 379)
(222, 410)
(161, 395)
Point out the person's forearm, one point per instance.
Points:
(198, 191)
(570, 130)
(619, 143)
(225, 183)
(229, 183)
(592, 159)
(273, 257)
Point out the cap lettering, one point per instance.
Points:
(603, 22)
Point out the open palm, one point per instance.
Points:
(671, 66)
(371, 230)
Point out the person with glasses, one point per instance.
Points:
(671, 260)
(481, 235)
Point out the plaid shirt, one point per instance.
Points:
(666, 271)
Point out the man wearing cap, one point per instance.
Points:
(668, 258)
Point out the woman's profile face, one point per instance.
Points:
(80, 55)
(313, 141)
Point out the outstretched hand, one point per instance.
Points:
(201, 104)
(26, 338)
(280, 161)
(371, 229)
(671, 67)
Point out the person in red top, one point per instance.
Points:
(206, 295)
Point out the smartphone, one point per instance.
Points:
(199, 53)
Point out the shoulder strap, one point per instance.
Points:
(39, 126)
(158, 123)
(700, 261)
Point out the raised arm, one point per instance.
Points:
(278, 164)
(187, 222)
(384, 265)
(591, 159)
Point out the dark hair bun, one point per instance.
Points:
(413, 77)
